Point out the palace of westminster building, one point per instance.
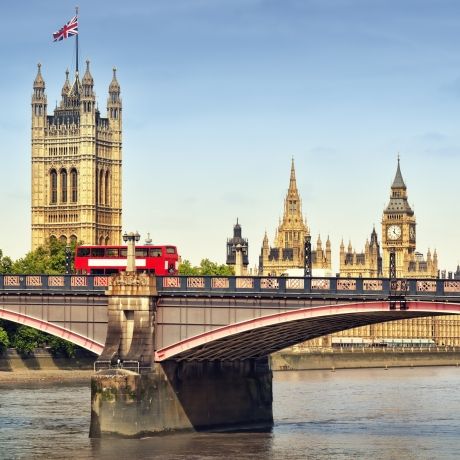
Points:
(76, 164)
(287, 255)
(77, 196)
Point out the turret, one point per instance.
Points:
(342, 253)
(65, 90)
(319, 244)
(328, 250)
(114, 101)
(88, 98)
(39, 105)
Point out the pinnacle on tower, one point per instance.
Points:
(39, 82)
(66, 85)
(114, 86)
(292, 179)
(398, 181)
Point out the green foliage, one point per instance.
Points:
(26, 339)
(61, 346)
(5, 264)
(48, 260)
(206, 268)
(186, 268)
(4, 340)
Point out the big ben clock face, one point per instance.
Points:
(394, 232)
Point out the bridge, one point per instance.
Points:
(208, 337)
(206, 317)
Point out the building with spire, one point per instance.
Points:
(399, 236)
(288, 250)
(76, 164)
(366, 264)
(237, 251)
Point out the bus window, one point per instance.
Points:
(155, 252)
(142, 252)
(170, 250)
(97, 252)
(123, 252)
(111, 252)
(83, 252)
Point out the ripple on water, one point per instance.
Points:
(320, 415)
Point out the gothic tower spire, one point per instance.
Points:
(75, 195)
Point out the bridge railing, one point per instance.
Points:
(371, 287)
(244, 285)
(53, 282)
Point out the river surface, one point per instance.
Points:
(372, 414)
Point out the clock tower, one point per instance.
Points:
(398, 228)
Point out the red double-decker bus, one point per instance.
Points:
(105, 260)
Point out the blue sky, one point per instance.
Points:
(219, 95)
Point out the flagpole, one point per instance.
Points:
(76, 43)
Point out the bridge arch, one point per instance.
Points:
(53, 329)
(261, 336)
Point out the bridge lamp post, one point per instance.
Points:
(240, 250)
(68, 261)
(131, 239)
(307, 254)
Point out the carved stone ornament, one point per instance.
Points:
(129, 279)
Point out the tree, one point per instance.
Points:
(206, 268)
(186, 268)
(48, 259)
(61, 346)
(27, 339)
(4, 340)
(5, 264)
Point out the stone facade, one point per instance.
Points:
(288, 250)
(367, 264)
(76, 164)
(399, 236)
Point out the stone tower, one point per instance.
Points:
(76, 164)
(399, 236)
(288, 251)
(237, 251)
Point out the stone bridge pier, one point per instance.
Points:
(133, 396)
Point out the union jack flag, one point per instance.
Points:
(71, 28)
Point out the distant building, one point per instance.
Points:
(76, 164)
(399, 236)
(235, 244)
(288, 250)
(367, 264)
(457, 273)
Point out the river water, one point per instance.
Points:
(373, 413)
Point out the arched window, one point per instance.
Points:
(73, 239)
(107, 241)
(107, 188)
(101, 241)
(74, 185)
(63, 186)
(101, 184)
(63, 239)
(53, 186)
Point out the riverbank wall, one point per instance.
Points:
(43, 359)
(364, 358)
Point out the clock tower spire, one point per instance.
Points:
(398, 227)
